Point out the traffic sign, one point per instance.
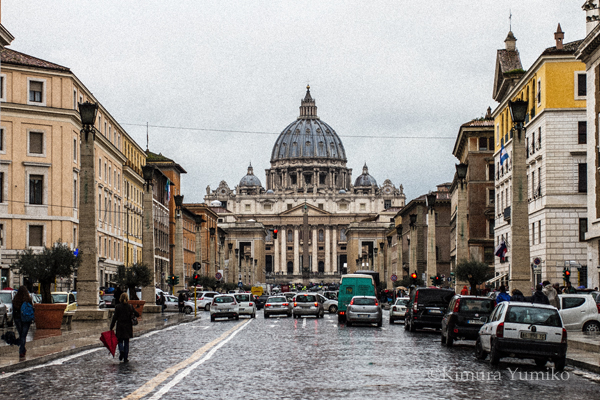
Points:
(394, 277)
(537, 261)
(240, 284)
(218, 276)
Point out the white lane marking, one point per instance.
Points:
(189, 369)
(55, 362)
(303, 323)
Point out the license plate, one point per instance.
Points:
(475, 322)
(363, 316)
(435, 312)
(533, 336)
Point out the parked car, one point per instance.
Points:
(224, 305)
(289, 295)
(205, 299)
(109, 300)
(330, 294)
(260, 301)
(364, 309)
(172, 303)
(330, 305)
(37, 298)
(3, 314)
(307, 304)
(398, 309)
(579, 312)
(464, 317)
(7, 296)
(69, 298)
(426, 308)
(523, 330)
(277, 305)
(246, 303)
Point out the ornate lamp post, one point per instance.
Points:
(211, 252)
(238, 264)
(221, 254)
(87, 273)
(199, 220)
(462, 226)
(431, 242)
(412, 250)
(229, 263)
(388, 260)
(178, 269)
(148, 240)
(399, 262)
(519, 270)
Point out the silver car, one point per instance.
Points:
(247, 304)
(307, 304)
(331, 305)
(205, 299)
(7, 296)
(172, 303)
(364, 309)
(277, 305)
(398, 309)
(3, 314)
(224, 305)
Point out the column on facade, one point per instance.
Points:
(296, 251)
(283, 250)
(212, 256)
(315, 265)
(178, 269)
(413, 250)
(327, 250)
(431, 259)
(334, 260)
(148, 240)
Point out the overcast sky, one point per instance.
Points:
(388, 76)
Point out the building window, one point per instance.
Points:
(343, 206)
(491, 172)
(248, 207)
(387, 204)
(320, 205)
(483, 143)
(343, 235)
(539, 232)
(36, 143)
(539, 92)
(491, 226)
(533, 233)
(2, 140)
(582, 229)
(363, 206)
(267, 207)
(581, 85)
(109, 174)
(36, 185)
(36, 235)
(100, 168)
(321, 238)
(36, 91)
(582, 132)
(75, 193)
(289, 206)
(582, 179)
(491, 196)
(290, 235)
(3, 87)
(1, 187)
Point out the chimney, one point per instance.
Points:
(559, 36)
(510, 42)
(591, 15)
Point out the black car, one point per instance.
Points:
(261, 301)
(426, 308)
(464, 317)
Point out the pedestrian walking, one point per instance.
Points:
(181, 301)
(556, 287)
(502, 296)
(22, 305)
(464, 291)
(538, 296)
(162, 301)
(517, 295)
(570, 289)
(550, 292)
(122, 318)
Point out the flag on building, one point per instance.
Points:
(168, 190)
(501, 250)
(503, 155)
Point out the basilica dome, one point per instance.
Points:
(250, 179)
(308, 137)
(365, 179)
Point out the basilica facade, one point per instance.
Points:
(310, 199)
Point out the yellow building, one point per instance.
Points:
(556, 134)
(134, 190)
(40, 161)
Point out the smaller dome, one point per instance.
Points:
(342, 191)
(270, 191)
(250, 179)
(365, 179)
(216, 203)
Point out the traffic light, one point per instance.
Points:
(413, 278)
(275, 233)
(196, 266)
(171, 280)
(436, 280)
(566, 275)
(176, 280)
(195, 280)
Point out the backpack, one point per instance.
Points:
(27, 313)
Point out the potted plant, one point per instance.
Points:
(45, 267)
(138, 275)
(474, 272)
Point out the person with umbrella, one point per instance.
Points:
(122, 318)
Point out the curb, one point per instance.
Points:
(583, 365)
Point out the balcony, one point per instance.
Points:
(507, 213)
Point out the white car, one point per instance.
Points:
(172, 303)
(523, 330)
(579, 312)
(205, 299)
(398, 309)
(7, 296)
(246, 304)
(224, 306)
(329, 304)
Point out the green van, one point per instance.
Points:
(353, 285)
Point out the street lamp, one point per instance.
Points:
(518, 112)
(413, 219)
(431, 196)
(212, 231)
(148, 173)
(178, 203)
(87, 112)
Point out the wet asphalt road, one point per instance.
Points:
(284, 358)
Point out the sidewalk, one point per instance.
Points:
(45, 345)
(584, 350)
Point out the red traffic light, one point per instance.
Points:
(275, 231)
(413, 275)
(568, 273)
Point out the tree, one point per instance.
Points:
(474, 272)
(138, 274)
(406, 282)
(59, 261)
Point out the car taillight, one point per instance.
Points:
(598, 305)
(456, 305)
(352, 302)
(285, 304)
(415, 302)
(376, 303)
(394, 308)
(500, 330)
(316, 304)
(564, 336)
(295, 304)
(266, 305)
(251, 304)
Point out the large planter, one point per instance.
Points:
(138, 305)
(49, 316)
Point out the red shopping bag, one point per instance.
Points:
(110, 341)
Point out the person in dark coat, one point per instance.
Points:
(538, 296)
(517, 295)
(181, 301)
(162, 301)
(21, 297)
(122, 317)
(502, 296)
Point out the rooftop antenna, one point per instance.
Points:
(510, 20)
(147, 136)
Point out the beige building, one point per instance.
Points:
(310, 199)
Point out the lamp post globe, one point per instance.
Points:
(88, 112)
(518, 111)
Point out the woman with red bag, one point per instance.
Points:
(122, 317)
